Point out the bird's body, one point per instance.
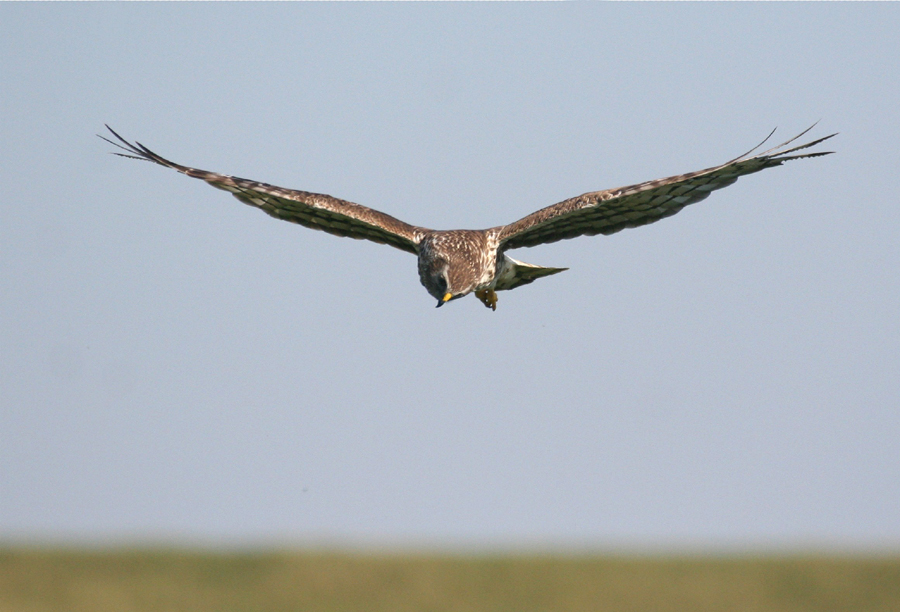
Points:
(461, 257)
(454, 263)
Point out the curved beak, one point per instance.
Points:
(447, 297)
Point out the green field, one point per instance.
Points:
(33, 580)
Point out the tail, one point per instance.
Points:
(514, 273)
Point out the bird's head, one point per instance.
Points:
(439, 279)
(444, 274)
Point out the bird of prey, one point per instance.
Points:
(455, 263)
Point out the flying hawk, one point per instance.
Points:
(454, 263)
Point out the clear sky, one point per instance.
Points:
(176, 366)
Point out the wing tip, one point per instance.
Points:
(136, 150)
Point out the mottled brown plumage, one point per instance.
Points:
(454, 263)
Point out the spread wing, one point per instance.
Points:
(312, 210)
(607, 212)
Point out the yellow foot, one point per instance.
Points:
(488, 297)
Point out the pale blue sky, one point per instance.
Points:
(176, 366)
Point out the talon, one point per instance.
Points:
(488, 297)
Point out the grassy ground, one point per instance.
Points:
(33, 580)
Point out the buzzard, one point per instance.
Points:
(455, 263)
